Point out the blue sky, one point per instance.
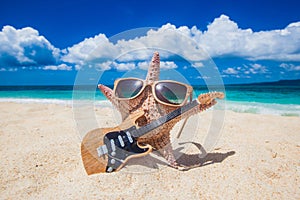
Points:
(50, 42)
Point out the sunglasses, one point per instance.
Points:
(167, 92)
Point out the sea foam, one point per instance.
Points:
(263, 108)
(236, 106)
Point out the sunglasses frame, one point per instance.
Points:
(189, 91)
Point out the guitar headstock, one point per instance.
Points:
(209, 97)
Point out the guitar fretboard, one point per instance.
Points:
(162, 120)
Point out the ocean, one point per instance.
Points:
(280, 98)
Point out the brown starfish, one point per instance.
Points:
(159, 139)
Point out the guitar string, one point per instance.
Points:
(155, 124)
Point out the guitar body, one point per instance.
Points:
(100, 161)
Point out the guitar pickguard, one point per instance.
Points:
(120, 145)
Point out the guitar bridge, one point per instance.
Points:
(102, 150)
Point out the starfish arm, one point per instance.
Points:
(154, 69)
(108, 93)
(121, 106)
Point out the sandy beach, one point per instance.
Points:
(256, 157)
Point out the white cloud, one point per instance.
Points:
(12, 69)
(254, 68)
(258, 69)
(168, 65)
(223, 37)
(167, 38)
(25, 47)
(198, 64)
(203, 77)
(124, 66)
(290, 67)
(57, 67)
(104, 66)
(143, 65)
(96, 49)
(230, 70)
(163, 65)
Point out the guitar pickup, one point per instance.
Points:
(121, 141)
(102, 150)
(129, 137)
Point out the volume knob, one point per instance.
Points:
(110, 169)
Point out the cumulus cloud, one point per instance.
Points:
(124, 66)
(97, 49)
(290, 67)
(10, 69)
(198, 64)
(246, 69)
(168, 65)
(163, 65)
(57, 67)
(169, 39)
(256, 69)
(143, 65)
(25, 47)
(223, 37)
(230, 70)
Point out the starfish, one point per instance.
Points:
(159, 139)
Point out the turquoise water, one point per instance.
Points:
(260, 98)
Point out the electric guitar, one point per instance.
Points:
(108, 149)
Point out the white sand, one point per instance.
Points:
(256, 157)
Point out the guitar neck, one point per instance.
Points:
(164, 119)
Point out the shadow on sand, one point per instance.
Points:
(202, 158)
(191, 160)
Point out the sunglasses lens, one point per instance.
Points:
(128, 88)
(171, 93)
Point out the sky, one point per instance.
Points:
(55, 42)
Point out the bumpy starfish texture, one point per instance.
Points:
(159, 138)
